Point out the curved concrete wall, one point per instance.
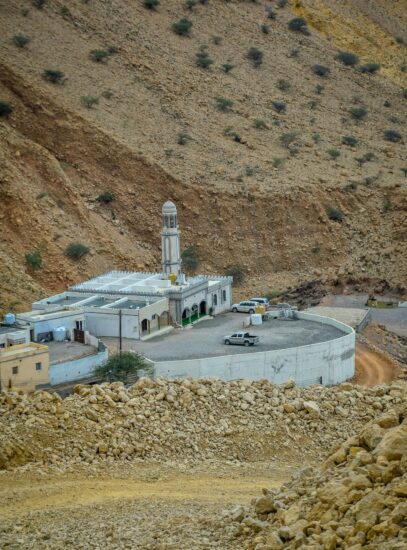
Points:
(325, 363)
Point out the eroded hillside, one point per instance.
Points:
(244, 197)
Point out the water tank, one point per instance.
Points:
(9, 319)
(59, 334)
(256, 319)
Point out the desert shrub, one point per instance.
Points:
(256, 56)
(316, 137)
(106, 197)
(312, 104)
(404, 170)
(347, 58)
(277, 162)
(223, 104)
(39, 4)
(34, 259)
(202, 58)
(270, 13)
(229, 132)
(89, 101)
(5, 109)
(190, 258)
(64, 11)
(21, 40)
(359, 113)
(282, 3)
(227, 67)
(190, 4)
(321, 70)
(100, 56)
(120, 366)
(283, 85)
(259, 124)
(294, 52)
(107, 94)
(53, 75)
(237, 272)
(217, 40)
(288, 138)
(279, 106)
(182, 138)
(298, 24)
(392, 135)
(334, 214)
(151, 4)
(387, 204)
(349, 140)
(334, 153)
(265, 29)
(76, 250)
(370, 68)
(364, 158)
(182, 27)
(41, 195)
(319, 89)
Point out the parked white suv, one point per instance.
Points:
(245, 307)
(262, 301)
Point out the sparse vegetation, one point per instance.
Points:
(217, 40)
(277, 162)
(298, 24)
(182, 138)
(120, 366)
(227, 67)
(335, 214)
(64, 11)
(190, 4)
(256, 56)
(319, 89)
(316, 138)
(89, 101)
(347, 58)
(288, 138)
(282, 3)
(53, 75)
(259, 124)
(151, 4)
(334, 153)
(283, 85)
(107, 94)
(75, 250)
(359, 113)
(237, 272)
(365, 158)
(321, 70)
(100, 56)
(279, 106)
(202, 58)
(34, 259)
(106, 197)
(270, 13)
(21, 40)
(224, 104)
(387, 204)
(182, 27)
(392, 135)
(265, 29)
(349, 140)
(190, 258)
(370, 68)
(5, 109)
(39, 4)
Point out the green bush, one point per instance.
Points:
(120, 366)
(237, 272)
(5, 109)
(191, 3)
(202, 58)
(151, 4)
(76, 250)
(334, 153)
(182, 27)
(53, 75)
(190, 258)
(227, 67)
(39, 4)
(34, 259)
(277, 162)
(259, 124)
(265, 29)
(335, 214)
(182, 138)
(270, 13)
(283, 85)
(288, 138)
(347, 58)
(256, 56)
(106, 197)
(321, 70)
(224, 104)
(89, 101)
(365, 158)
(21, 40)
(349, 140)
(359, 113)
(279, 106)
(298, 24)
(392, 135)
(370, 68)
(107, 94)
(100, 56)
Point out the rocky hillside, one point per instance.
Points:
(281, 158)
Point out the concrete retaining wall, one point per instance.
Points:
(325, 363)
(75, 370)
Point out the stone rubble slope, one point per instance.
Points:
(185, 420)
(357, 499)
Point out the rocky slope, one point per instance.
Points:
(244, 198)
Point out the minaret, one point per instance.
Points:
(171, 257)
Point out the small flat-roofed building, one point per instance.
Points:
(24, 366)
(69, 323)
(13, 334)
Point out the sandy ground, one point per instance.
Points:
(373, 368)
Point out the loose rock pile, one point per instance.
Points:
(189, 420)
(358, 499)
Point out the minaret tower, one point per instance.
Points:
(171, 257)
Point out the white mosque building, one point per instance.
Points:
(134, 304)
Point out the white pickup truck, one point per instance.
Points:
(241, 338)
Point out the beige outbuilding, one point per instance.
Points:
(24, 366)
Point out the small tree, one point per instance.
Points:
(298, 24)
(21, 40)
(53, 75)
(76, 250)
(151, 4)
(190, 258)
(347, 58)
(106, 197)
(237, 272)
(321, 70)
(100, 56)
(370, 68)
(89, 101)
(392, 135)
(182, 27)
(256, 56)
(34, 259)
(120, 366)
(5, 109)
(202, 58)
(224, 104)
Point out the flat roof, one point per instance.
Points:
(130, 304)
(60, 352)
(40, 314)
(4, 329)
(68, 300)
(100, 301)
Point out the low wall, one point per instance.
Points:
(76, 369)
(327, 363)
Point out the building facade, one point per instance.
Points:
(24, 366)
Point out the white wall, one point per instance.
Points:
(75, 370)
(105, 322)
(61, 319)
(329, 362)
(15, 334)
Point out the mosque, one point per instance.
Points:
(134, 304)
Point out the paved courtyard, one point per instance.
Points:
(59, 352)
(205, 338)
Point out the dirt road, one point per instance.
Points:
(373, 368)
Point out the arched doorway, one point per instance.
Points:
(186, 316)
(145, 326)
(202, 308)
